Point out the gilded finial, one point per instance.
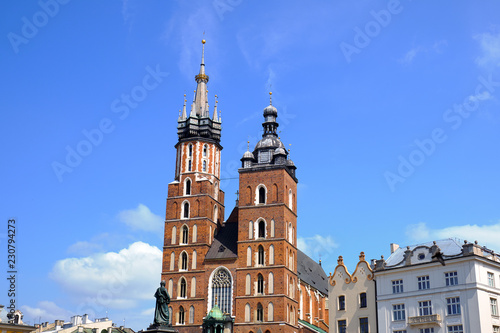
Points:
(248, 145)
(270, 98)
(203, 41)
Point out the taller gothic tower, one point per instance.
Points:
(195, 206)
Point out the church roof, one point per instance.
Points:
(310, 272)
(225, 244)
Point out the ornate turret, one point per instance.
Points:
(199, 123)
(269, 151)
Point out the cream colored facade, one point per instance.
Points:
(352, 298)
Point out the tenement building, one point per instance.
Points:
(440, 286)
(243, 274)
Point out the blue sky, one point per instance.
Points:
(391, 109)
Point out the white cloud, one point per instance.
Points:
(317, 246)
(110, 280)
(141, 218)
(410, 55)
(46, 311)
(490, 49)
(485, 234)
(148, 312)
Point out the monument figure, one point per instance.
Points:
(162, 315)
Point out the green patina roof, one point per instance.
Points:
(215, 313)
(311, 326)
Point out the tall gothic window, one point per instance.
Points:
(184, 261)
(186, 210)
(185, 234)
(262, 195)
(204, 166)
(260, 312)
(262, 229)
(260, 284)
(182, 291)
(260, 256)
(189, 165)
(188, 186)
(205, 148)
(181, 316)
(221, 290)
(190, 148)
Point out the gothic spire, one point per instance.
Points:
(200, 104)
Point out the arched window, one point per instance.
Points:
(185, 234)
(249, 195)
(262, 229)
(182, 288)
(191, 314)
(195, 233)
(270, 312)
(290, 202)
(262, 195)
(193, 287)
(249, 256)
(204, 166)
(275, 192)
(185, 210)
(272, 228)
(247, 313)
(174, 234)
(290, 260)
(260, 284)
(187, 186)
(290, 292)
(260, 312)
(190, 149)
(216, 191)
(171, 313)
(172, 261)
(205, 148)
(184, 261)
(189, 165)
(248, 283)
(271, 254)
(221, 289)
(215, 213)
(170, 287)
(290, 232)
(250, 230)
(181, 316)
(271, 283)
(260, 256)
(193, 259)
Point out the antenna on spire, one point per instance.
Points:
(248, 145)
(270, 98)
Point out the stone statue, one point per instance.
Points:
(162, 315)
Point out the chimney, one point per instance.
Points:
(394, 247)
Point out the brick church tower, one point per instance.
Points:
(244, 274)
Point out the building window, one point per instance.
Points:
(262, 195)
(221, 290)
(191, 314)
(249, 256)
(247, 313)
(182, 289)
(190, 148)
(426, 330)
(185, 234)
(185, 213)
(205, 148)
(189, 165)
(362, 300)
(456, 329)
(494, 306)
(398, 312)
(270, 312)
(496, 329)
(260, 312)
(260, 256)
(181, 316)
(453, 305)
(424, 308)
(341, 302)
(451, 278)
(423, 282)
(399, 331)
(262, 229)
(184, 261)
(188, 186)
(491, 279)
(204, 166)
(397, 286)
(342, 326)
(260, 284)
(363, 325)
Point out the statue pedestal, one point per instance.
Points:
(158, 328)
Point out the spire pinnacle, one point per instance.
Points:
(214, 118)
(270, 98)
(200, 103)
(184, 115)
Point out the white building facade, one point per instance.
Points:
(438, 287)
